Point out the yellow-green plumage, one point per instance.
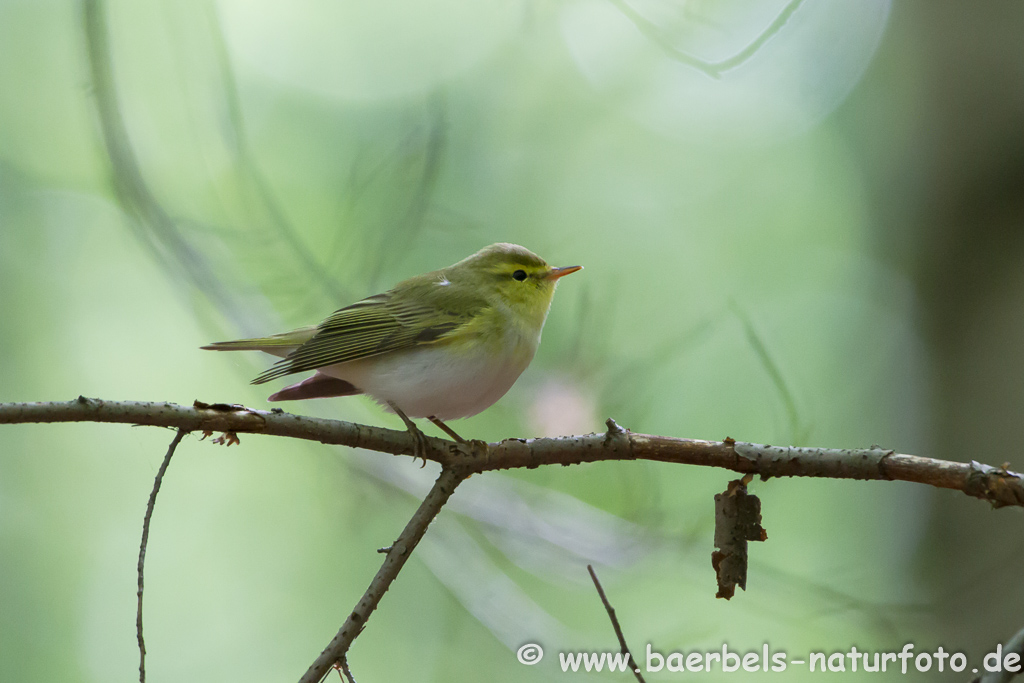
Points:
(447, 343)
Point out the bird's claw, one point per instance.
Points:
(228, 438)
(420, 446)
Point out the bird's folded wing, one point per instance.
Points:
(378, 324)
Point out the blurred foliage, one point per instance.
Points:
(815, 242)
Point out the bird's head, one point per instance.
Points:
(515, 277)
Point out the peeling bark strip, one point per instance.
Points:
(998, 485)
(737, 520)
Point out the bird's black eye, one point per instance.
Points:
(519, 275)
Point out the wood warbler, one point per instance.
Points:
(442, 345)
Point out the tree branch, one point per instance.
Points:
(998, 485)
(397, 554)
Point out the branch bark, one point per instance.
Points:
(998, 485)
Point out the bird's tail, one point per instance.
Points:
(278, 344)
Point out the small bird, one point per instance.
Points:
(442, 345)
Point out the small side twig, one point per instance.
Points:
(142, 547)
(1014, 645)
(615, 624)
(343, 665)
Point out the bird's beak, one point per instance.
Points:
(556, 273)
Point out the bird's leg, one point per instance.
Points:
(446, 429)
(418, 437)
(473, 446)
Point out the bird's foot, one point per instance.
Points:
(420, 447)
(228, 438)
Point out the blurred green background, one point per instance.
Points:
(818, 242)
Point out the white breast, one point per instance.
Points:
(438, 381)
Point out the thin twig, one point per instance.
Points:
(615, 624)
(1013, 645)
(142, 547)
(713, 69)
(345, 670)
(998, 485)
(797, 431)
(399, 552)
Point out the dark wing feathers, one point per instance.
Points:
(378, 324)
